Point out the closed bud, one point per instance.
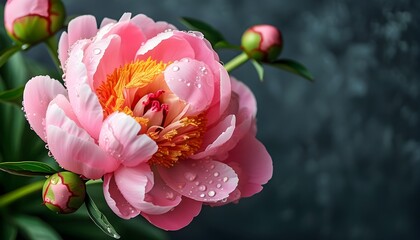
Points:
(262, 43)
(32, 21)
(64, 192)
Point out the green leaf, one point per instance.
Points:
(210, 33)
(8, 52)
(12, 96)
(259, 68)
(293, 67)
(28, 168)
(99, 218)
(34, 228)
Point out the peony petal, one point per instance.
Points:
(38, 93)
(116, 200)
(165, 47)
(201, 180)
(216, 137)
(246, 97)
(82, 27)
(73, 148)
(149, 27)
(119, 138)
(101, 58)
(256, 166)
(107, 21)
(177, 218)
(222, 96)
(133, 183)
(160, 199)
(192, 82)
(63, 50)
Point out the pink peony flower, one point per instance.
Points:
(150, 110)
(31, 21)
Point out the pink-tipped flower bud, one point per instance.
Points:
(64, 192)
(31, 21)
(262, 43)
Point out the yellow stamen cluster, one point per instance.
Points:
(179, 143)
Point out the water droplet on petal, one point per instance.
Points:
(181, 185)
(211, 193)
(202, 188)
(188, 84)
(97, 51)
(225, 179)
(108, 229)
(219, 185)
(50, 154)
(175, 68)
(190, 176)
(211, 181)
(197, 183)
(212, 166)
(202, 195)
(46, 146)
(224, 200)
(170, 195)
(216, 174)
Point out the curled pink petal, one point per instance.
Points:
(116, 200)
(38, 93)
(73, 148)
(133, 183)
(177, 218)
(201, 180)
(192, 82)
(149, 27)
(255, 164)
(161, 198)
(119, 137)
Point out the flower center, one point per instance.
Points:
(139, 90)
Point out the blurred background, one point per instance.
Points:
(345, 149)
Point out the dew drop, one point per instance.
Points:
(190, 176)
(216, 174)
(96, 51)
(219, 185)
(202, 195)
(34, 114)
(181, 185)
(197, 183)
(225, 179)
(202, 188)
(197, 85)
(50, 154)
(22, 108)
(212, 166)
(211, 193)
(175, 68)
(108, 229)
(224, 200)
(46, 146)
(170, 195)
(211, 181)
(188, 84)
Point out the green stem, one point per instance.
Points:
(14, 195)
(52, 46)
(236, 62)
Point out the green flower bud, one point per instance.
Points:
(32, 21)
(262, 43)
(64, 192)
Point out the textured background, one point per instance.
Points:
(346, 149)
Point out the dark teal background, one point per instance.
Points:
(346, 149)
